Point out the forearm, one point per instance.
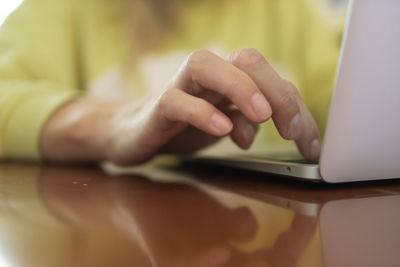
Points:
(77, 132)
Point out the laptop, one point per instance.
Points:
(362, 139)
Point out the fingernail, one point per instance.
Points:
(248, 134)
(261, 106)
(295, 127)
(315, 149)
(221, 124)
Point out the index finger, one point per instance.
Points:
(204, 69)
(289, 113)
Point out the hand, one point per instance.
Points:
(208, 98)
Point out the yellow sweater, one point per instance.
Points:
(53, 50)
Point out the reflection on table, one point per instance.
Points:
(172, 217)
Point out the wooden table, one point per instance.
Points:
(187, 216)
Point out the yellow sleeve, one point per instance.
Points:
(38, 73)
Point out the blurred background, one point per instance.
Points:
(6, 7)
(332, 8)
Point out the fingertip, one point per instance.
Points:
(310, 150)
(220, 124)
(248, 133)
(244, 224)
(244, 131)
(315, 150)
(261, 107)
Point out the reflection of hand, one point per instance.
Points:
(287, 249)
(208, 98)
(178, 225)
(290, 245)
(182, 226)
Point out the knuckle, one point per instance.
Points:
(189, 116)
(247, 57)
(165, 100)
(288, 97)
(204, 106)
(234, 86)
(198, 57)
(199, 105)
(195, 110)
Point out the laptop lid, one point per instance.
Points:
(363, 130)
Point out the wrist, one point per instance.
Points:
(78, 131)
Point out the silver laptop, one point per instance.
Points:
(362, 139)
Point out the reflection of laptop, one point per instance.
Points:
(358, 225)
(362, 140)
(354, 225)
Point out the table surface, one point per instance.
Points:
(189, 216)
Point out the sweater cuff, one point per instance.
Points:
(22, 133)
